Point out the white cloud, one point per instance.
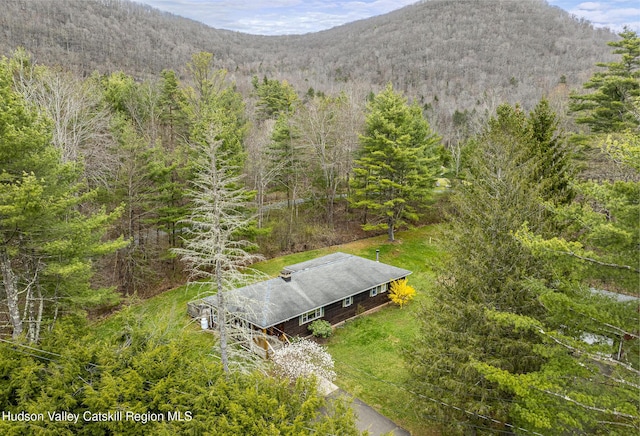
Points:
(614, 14)
(271, 17)
(589, 6)
(604, 16)
(276, 16)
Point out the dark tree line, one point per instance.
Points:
(131, 147)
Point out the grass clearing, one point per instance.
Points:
(367, 350)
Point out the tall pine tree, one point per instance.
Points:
(608, 108)
(590, 339)
(487, 271)
(395, 171)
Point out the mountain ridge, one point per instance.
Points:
(446, 55)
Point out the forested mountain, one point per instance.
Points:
(449, 55)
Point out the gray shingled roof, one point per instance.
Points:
(314, 283)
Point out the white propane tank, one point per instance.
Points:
(204, 323)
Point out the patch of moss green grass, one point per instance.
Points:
(412, 250)
(368, 350)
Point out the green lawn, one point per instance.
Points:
(164, 313)
(367, 350)
(161, 318)
(367, 355)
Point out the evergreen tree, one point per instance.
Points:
(279, 101)
(274, 98)
(173, 101)
(590, 339)
(143, 371)
(133, 186)
(287, 158)
(46, 241)
(552, 154)
(487, 271)
(169, 169)
(608, 107)
(394, 173)
(212, 100)
(137, 182)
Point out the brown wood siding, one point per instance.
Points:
(293, 327)
(335, 313)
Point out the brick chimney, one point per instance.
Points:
(285, 275)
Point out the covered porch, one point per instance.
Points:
(261, 341)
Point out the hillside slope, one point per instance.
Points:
(451, 53)
(448, 54)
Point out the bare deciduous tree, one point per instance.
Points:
(214, 249)
(260, 169)
(325, 126)
(80, 122)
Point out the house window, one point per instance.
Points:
(347, 302)
(310, 316)
(378, 289)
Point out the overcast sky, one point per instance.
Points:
(277, 17)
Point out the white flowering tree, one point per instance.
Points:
(303, 358)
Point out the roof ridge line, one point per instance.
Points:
(346, 256)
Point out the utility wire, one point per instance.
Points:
(488, 418)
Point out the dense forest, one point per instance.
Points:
(465, 56)
(122, 177)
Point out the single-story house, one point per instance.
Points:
(334, 288)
